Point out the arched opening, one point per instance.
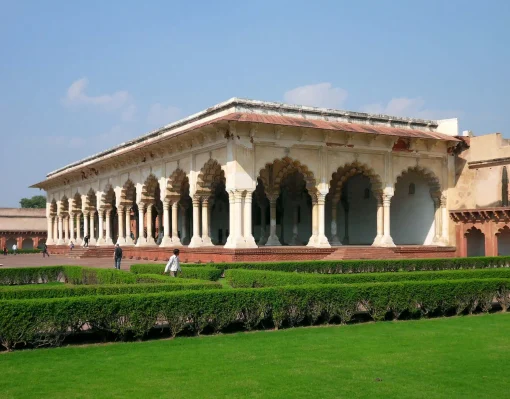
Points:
(503, 237)
(283, 199)
(211, 188)
(128, 200)
(351, 205)
(111, 218)
(412, 208)
(475, 242)
(27, 243)
(78, 225)
(93, 223)
(10, 242)
(151, 197)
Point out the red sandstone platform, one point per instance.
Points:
(220, 254)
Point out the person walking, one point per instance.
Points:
(45, 250)
(5, 250)
(173, 264)
(86, 240)
(117, 256)
(14, 249)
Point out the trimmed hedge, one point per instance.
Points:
(239, 278)
(61, 291)
(369, 266)
(195, 271)
(24, 251)
(43, 322)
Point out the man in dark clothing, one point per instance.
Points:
(117, 255)
(45, 251)
(86, 239)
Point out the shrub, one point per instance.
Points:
(239, 278)
(193, 272)
(45, 322)
(30, 275)
(61, 291)
(25, 251)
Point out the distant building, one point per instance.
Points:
(27, 228)
(479, 204)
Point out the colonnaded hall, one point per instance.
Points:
(262, 178)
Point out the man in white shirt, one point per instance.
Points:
(14, 249)
(173, 264)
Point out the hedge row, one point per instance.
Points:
(194, 271)
(370, 266)
(25, 251)
(82, 275)
(42, 322)
(239, 278)
(61, 291)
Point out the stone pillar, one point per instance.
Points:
(60, 240)
(150, 238)
(248, 234)
(322, 240)
(71, 226)
(315, 225)
(108, 238)
(78, 228)
(263, 227)
(120, 218)
(127, 238)
(49, 235)
(231, 224)
(176, 241)
(66, 229)
(85, 225)
(437, 239)
(445, 220)
(92, 240)
(386, 240)
(334, 223)
(167, 240)
(272, 240)
(196, 240)
(55, 229)
(380, 221)
(141, 211)
(100, 233)
(206, 240)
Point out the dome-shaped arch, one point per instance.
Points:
(91, 199)
(177, 183)
(429, 176)
(128, 192)
(345, 172)
(64, 204)
(108, 196)
(149, 188)
(53, 207)
(77, 202)
(209, 177)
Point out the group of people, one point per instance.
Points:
(14, 250)
(173, 265)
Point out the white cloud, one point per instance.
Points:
(409, 107)
(120, 101)
(318, 95)
(160, 115)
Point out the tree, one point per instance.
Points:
(37, 201)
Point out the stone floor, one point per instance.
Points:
(32, 260)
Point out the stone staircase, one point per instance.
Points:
(356, 252)
(90, 252)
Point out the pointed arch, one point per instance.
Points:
(77, 202)
(345, 172)
(128, 193)
(108, 197)
(429, 176)
(209, 177)
(177, 183)
(91, 199)
(149, 188)
(475, 240)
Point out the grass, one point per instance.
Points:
(460, 357)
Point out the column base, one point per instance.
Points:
(312, 241)
(100, 241)
(335, 241)
(439, 241)
(50, 242)
(273, 241)
(129, 241)
(238, 242)
(206, 242)
(78, 241)
(144, 242)
(322, 242)
(108, 241)
(377, 241)
(176, 242)
(60, 242)
(250, 242)
(92, 241)
(386, 241)
(195, 242)
(121, 241)
(166, 242)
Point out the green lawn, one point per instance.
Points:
(461, 357)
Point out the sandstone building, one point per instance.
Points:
(248, 174)
(24, 227)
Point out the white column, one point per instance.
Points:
(386, 240)
(196, 240)
(60, 240)
(127, 237)
(380, 221)
(322, 240)
(66, 229)
(78, 227)
(206, 240)
(445, 220)
(176, 242)
(150, 238)
(71, 227)
(167, 240)
(272, 240)
(100, 234)
(85, 225)
(263, 227)
(55, 229)
(108, 238)
(92, 240)
(141, 239)
(231, 225)
(248, 234)
(334, 223)
(315, 226)
(49, 235)
(121, 240)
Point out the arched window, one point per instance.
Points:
(366, 195)
(412, 189)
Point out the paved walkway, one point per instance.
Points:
(32, 260)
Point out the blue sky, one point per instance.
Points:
(79, 77)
